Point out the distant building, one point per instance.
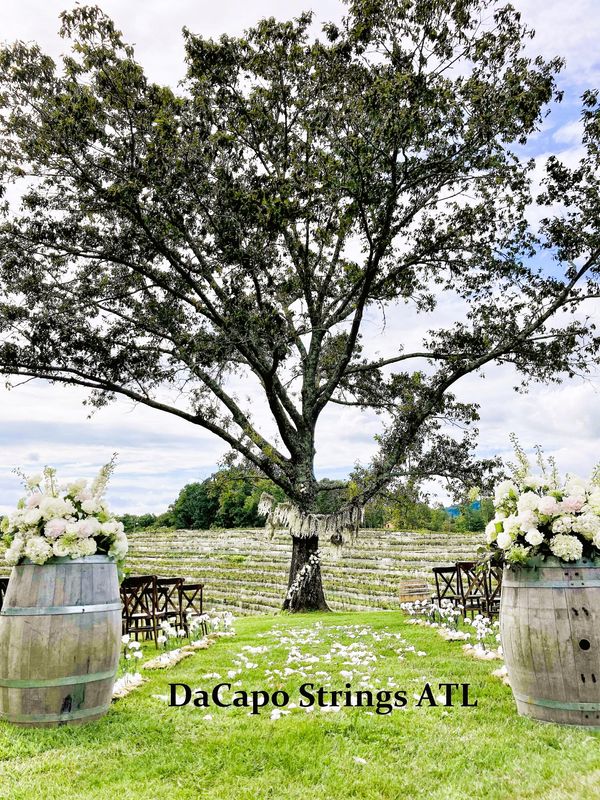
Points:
(454, 511)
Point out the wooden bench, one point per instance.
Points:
(410, 591)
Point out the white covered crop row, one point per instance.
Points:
(245, 571)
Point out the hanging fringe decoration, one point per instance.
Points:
(305, 524)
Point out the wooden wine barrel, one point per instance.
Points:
(550, 630)
(60, 640)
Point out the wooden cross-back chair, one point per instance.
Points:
(169, 599)
(190, 601)
(446, 584)
(472, 585)
(141, 614)
(493, 590)
(3, 588)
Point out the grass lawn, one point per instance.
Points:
(145, 750)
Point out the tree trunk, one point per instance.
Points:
(305, 589)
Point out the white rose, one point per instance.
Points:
(548, 506)
(490, 531)
(33, 500)
(32, 517)
(55, 528)
(534, 537)
(87, 527)
(504, 540)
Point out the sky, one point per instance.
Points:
(42, 424)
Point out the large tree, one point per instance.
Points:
(168, 243)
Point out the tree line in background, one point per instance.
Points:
(229, 499)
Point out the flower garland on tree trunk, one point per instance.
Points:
(305, 524)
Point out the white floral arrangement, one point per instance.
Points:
(71, 520)
(543, 515)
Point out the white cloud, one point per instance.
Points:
(571, 133)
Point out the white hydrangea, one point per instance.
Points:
(119, 547)
(511, 524)
(562, 524)
(572, 504)
(87, 547)
(15, 551)
(61, 548)
(504, 490)
(568, 548)
(587, 525)
(112, 528)
(56, 507)
(75, 487)
(38, 549)
(532, 482)
(576, 486)
(528, 502)
(593, 501)
(527, 520)
(90, 506)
